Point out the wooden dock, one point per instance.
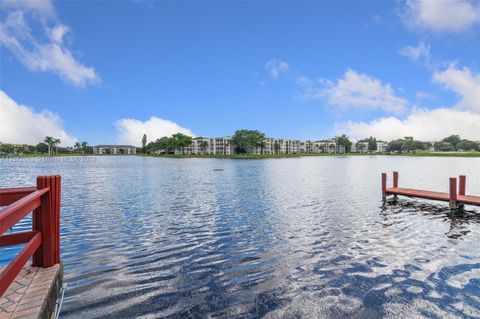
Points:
(455, 197)
(31, 291)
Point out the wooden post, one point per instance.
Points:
(462, 186)
(46, 219)
(395, 179)
(453, 193)
(384, 185)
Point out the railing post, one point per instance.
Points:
(395, 179)
(46, 219)
(462, 186)
(384, 185)
(453, 193)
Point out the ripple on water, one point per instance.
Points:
(289, 238)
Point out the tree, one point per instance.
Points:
(360, 146)
(412, 145)
(372, 144)
(454, 140)
(144, 142)
(41, 148)
(84, 147)
(345, 142)
(77, 146)
(203, 146)
(443, 146)
(50, 141)
(276, 147)
(246, 141)
(467, 145)
(179, 140)
(56, 142)
(395, 145)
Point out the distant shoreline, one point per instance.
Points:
(265, 156)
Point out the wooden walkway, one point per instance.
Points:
(454, 197)
(33, 293)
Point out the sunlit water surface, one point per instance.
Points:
(281, 238)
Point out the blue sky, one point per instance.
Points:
(109, 71)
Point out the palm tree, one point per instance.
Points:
(84, 147)
(49, 141)
(203, 146)
(77, 146)
(56, 141)
(360, 146)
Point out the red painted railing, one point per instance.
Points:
(43, 241)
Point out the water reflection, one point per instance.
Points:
(459, 219)
(287, 238)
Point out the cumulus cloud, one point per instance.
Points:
(463, 118)
(46, 50)
(276, 67)
(130, 131)
(423, 124)
(419, 53)
(442, 16)
(21, 124)
(463, 82)
(43, 8)
(354, 90)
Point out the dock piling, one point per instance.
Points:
(462, 186)
(384, 186)
(453, 193)
(395, 183)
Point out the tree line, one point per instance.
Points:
(49, 145)
(450, 143)
(245, 142)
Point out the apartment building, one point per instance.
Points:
(271, 145)
(208, 146)
(114, 150)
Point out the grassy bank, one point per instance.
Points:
(416, 154)
(43, 155)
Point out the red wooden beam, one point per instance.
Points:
(462, 187)
(395, 179)
(384, 185)
(11, 195)
(46, 219)
(11, 214)
(16, 238)
(7, 276)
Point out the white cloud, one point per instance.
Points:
(354, 90)
(276, 67)
(418, 53)
(43, 8)
(422, 124)
(21, 124)
(42, 54)
(442, 16)
(130, 131)
(464, 83)
(463, 118)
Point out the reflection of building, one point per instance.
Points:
(114, 150)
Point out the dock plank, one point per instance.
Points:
(410, 192)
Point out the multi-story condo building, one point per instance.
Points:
(210, 146)
(225, 146)
(114, 150)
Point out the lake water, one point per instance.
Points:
(279, 238)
